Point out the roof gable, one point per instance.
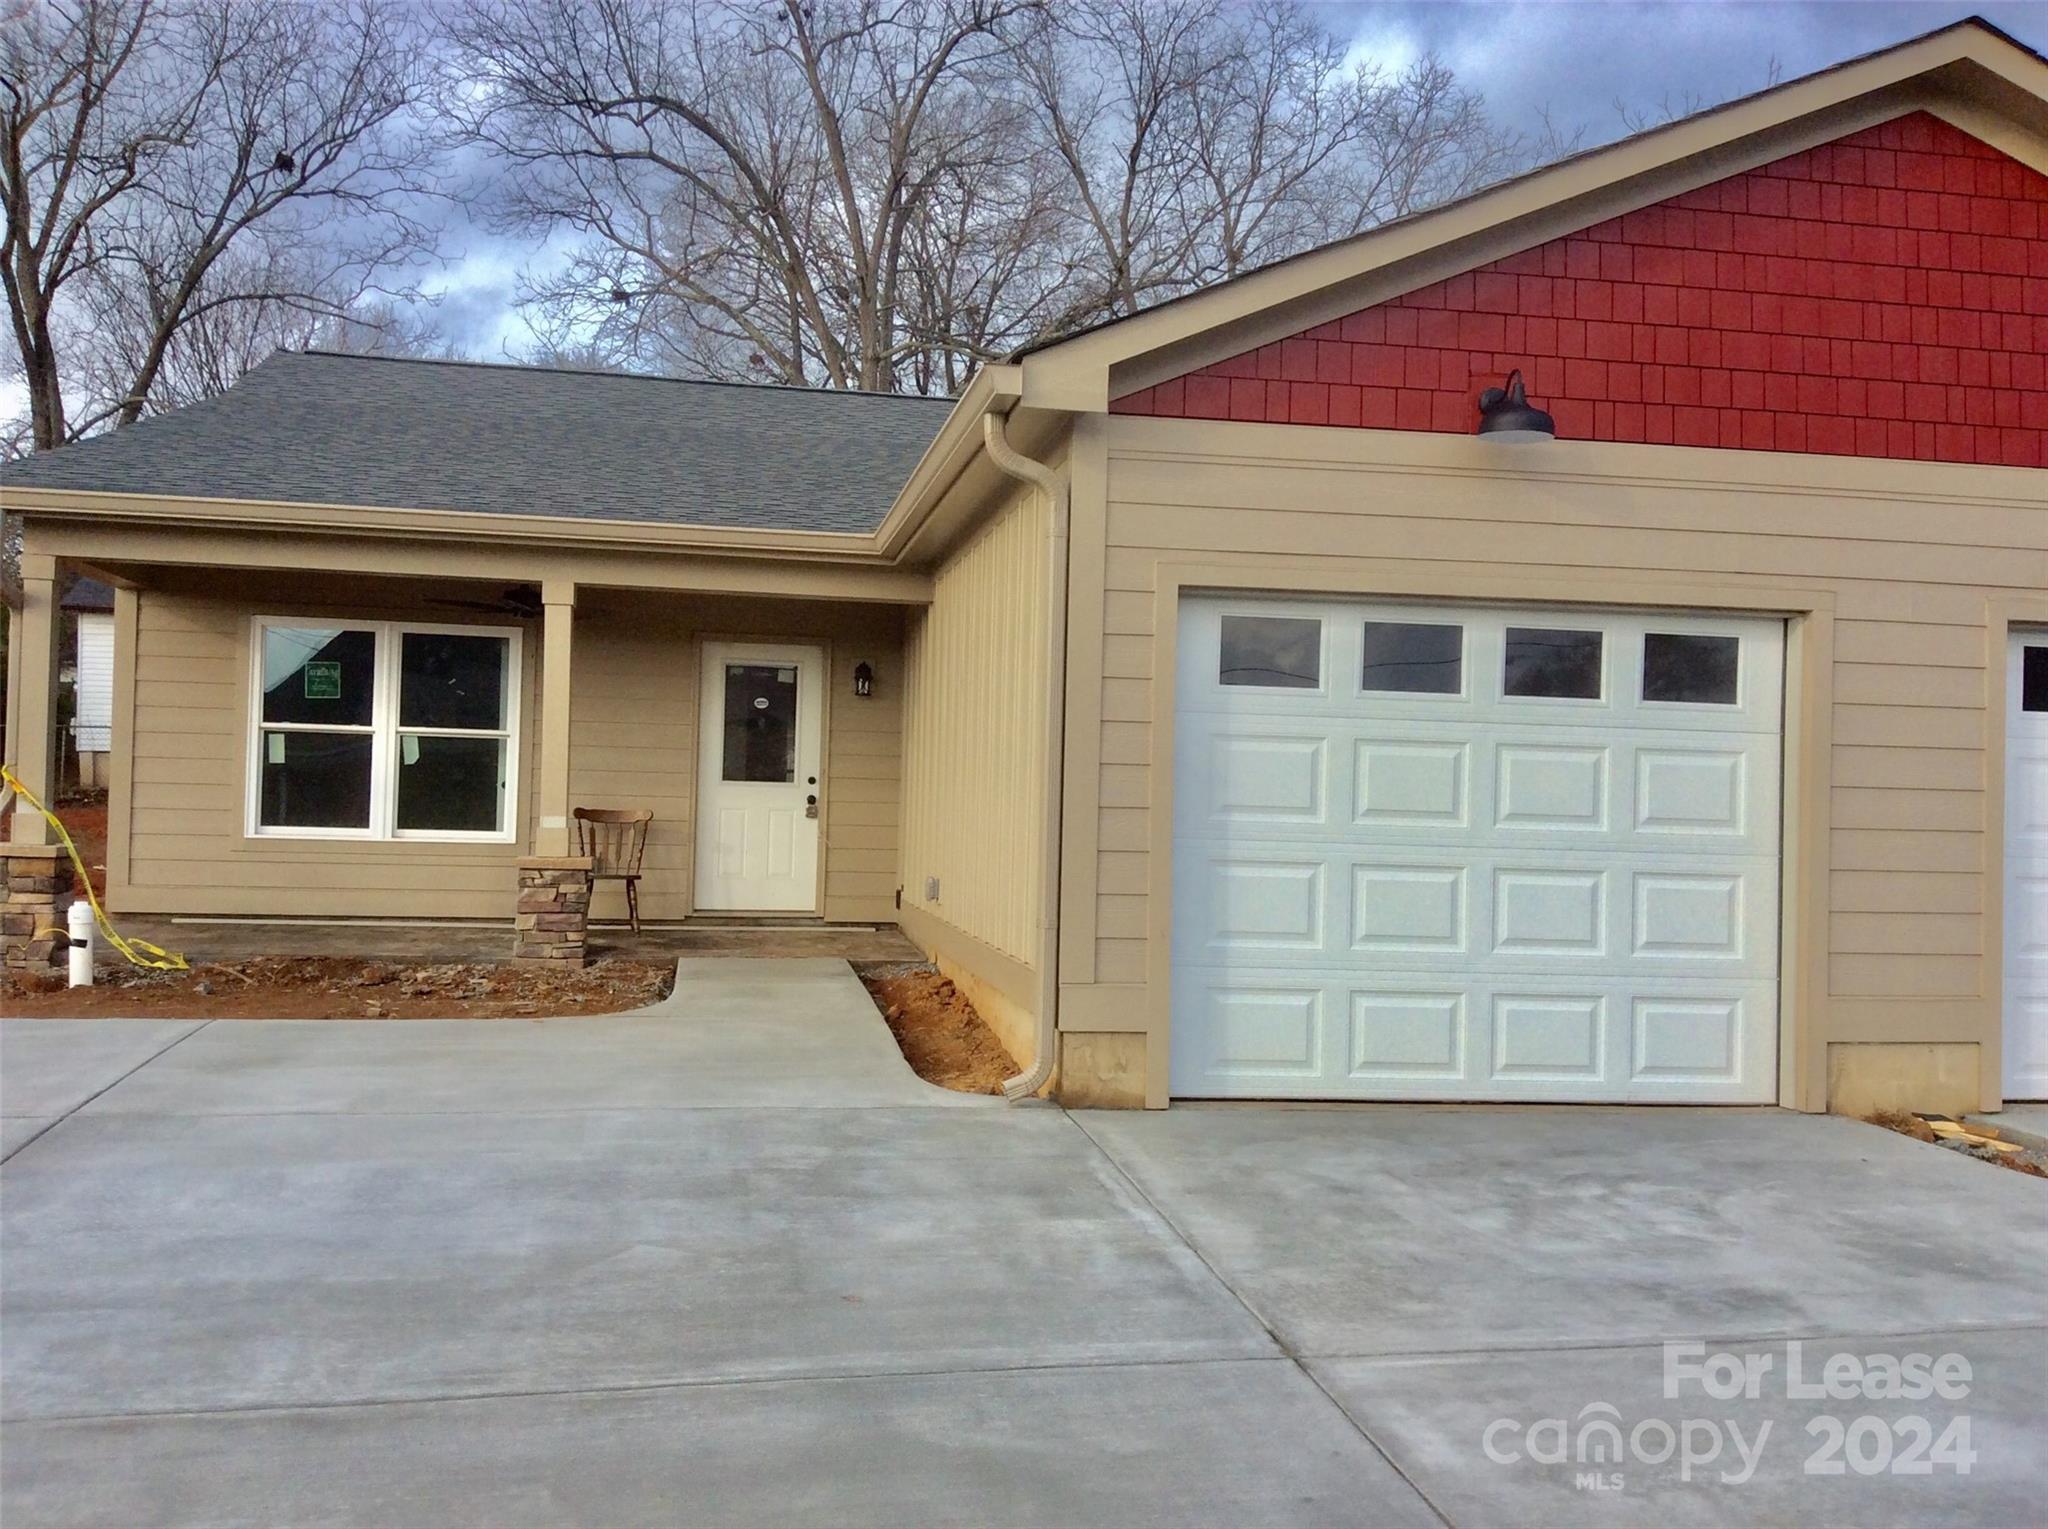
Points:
(1969, 74)
(1884, 295)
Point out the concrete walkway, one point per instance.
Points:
(774, 1033)
(2025, 1122)
(728, 1262)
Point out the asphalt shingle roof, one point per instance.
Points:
(324, 428)
(88, 595)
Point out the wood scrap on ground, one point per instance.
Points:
(1985, 1143)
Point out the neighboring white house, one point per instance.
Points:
(92, 721)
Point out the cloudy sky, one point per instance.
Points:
(1575, 59)
(1579, 57)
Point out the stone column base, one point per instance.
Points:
(554, 909)
(31, 932)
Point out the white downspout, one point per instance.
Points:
(1053, 485)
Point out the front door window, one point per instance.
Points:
(760, 723)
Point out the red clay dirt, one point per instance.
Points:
(941, 1036)
(88, 828)
(331, 987)
(85, 819)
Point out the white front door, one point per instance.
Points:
(2026, 867)
(760, 742)
(1451, 852)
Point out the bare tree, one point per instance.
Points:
(221, 340)
(143, 140)
(883, 193)
(1204, 138)
(751, 176)
(1110, 81)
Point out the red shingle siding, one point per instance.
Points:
(1885, 295)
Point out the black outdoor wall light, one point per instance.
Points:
(1505, 414)
(863, 679)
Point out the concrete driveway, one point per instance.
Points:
(728, 1262)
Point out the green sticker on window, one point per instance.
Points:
(323, 679)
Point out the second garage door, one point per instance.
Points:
(1446, 852)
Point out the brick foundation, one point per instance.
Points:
(554, 909)
(35, 877)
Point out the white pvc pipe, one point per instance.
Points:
(81, 922)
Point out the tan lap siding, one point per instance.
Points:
(633, 742)
(635, 710)
(634, 714)
(188, 852)
(1905, 554)
(974, 737)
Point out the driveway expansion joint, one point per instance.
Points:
(57, 1120)
(1292, 1356)
(637, 1388)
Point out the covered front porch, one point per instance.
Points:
(313, 732)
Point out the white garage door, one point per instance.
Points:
(2026, 868)
(1446, 852)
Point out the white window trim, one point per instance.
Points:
(384, 732)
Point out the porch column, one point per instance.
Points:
(32, 873)
(551, 788)
(553, 915)
(32, 742)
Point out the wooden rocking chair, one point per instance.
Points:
(615, 840)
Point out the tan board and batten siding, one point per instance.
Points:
(634, 709)
(974, 758)
(1895, 566)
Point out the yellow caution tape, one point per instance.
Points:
(136, 952)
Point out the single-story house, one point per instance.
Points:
(1247, 698)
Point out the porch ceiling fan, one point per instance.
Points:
(522, 600)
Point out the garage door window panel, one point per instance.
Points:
(2034, 678)
(1554, 663)
(1271, 652)
(1692, 668)
(1413, 658)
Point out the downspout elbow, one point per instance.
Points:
(1053, 485)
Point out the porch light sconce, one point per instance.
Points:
(863, 679)
(1505, 414)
